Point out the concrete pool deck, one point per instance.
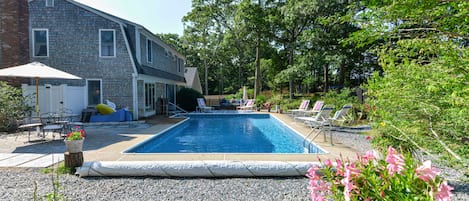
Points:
(106, 143)
(114, 152)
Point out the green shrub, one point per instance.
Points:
(12, 107)
(187, 98)
(423, 105)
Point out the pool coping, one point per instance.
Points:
(114, 152)
(323, 151)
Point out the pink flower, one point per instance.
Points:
(395, 161)
(347, 180)
(368, 138)
(328, 163)
(444, 192)
(354, 171)
(312, 173)
(369, 156)
(340, 168)
(426, 172)
(317, 187)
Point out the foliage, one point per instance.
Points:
(339, 99)
(420, 100)
(187, 98)
(13, 106)
(58, 168)
(260, 100)
(55, 171)
(370, 178)
(290, 41)
(76, 134)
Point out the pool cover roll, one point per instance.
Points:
(195, 168)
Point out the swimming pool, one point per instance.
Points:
(227, 133)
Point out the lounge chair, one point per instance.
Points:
(303, 107)
(249, 105)
(319, 122)
(314, 110)
(340, 116)
(202, 107)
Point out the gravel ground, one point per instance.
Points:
(18, 184)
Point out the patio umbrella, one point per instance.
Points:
(245, 93)
(36, 70)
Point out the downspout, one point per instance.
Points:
(134, 74)
(134, 96)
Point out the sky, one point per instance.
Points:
(158, 16)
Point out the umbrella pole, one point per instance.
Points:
(37, 95)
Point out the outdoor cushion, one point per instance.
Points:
(117, 116)
(104, 109)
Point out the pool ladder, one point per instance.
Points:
(321, 129)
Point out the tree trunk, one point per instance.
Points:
(257, 80)
(342, 75)
(73, 160)
(326, 78)
(290, 64)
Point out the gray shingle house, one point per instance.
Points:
(118, 60)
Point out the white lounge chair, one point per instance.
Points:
(319, 122)
(314, 110)
(248, 106)
(340, 116)
(303, 107)
(202, 107)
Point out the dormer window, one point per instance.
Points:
(49, 3)
(149, 51)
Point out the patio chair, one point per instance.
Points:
(314, 110)
(201, 107)
(27, 125)
(248, 106)
(50, 123)
(303, 107)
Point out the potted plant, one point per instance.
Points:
(74, 140)
(268, 106)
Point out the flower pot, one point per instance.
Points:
(74, 146)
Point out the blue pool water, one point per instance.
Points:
(234, 133)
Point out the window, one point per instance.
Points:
(94, 91)
(150, 97)
(149, 51)
(107, 43)
(179, 65)
(40, 43)
(49, 3)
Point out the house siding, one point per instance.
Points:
(160, 60)
(74, 47)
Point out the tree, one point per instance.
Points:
(421, 98)
(12, 107)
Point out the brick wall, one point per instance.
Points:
(14, 37)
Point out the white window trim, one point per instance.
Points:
(114, 43)
(149, 59)
(50, 5)
(34, 42)
(179, 64)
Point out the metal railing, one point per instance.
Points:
(178, 110)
